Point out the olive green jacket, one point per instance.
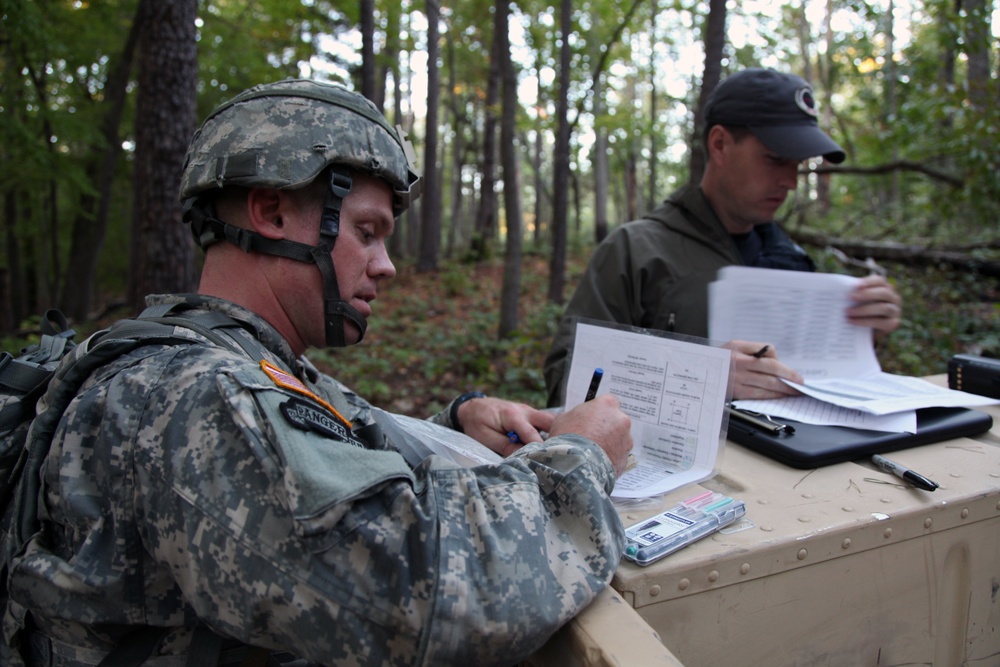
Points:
(654, 273)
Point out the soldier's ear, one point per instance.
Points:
(264, 207)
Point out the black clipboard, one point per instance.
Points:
(813, 446)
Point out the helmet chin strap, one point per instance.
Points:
(208, 228)
(335, 308)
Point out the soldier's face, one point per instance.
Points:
(360, 257)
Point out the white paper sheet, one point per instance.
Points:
(675, 393)
(885, 393)
(809, 410)
(802, 315)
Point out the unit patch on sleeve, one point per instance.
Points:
(305, 416)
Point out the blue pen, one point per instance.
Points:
(595, 383)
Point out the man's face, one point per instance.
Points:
(360, 257)
(752, 183)
(360, 260)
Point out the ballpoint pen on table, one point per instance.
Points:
(762, 422)
(904, 473)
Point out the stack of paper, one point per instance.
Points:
(803, 316)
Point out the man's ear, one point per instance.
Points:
(718, 136)
(264, 212)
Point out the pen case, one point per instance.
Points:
(679, 526)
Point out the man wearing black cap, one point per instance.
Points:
(654, 272)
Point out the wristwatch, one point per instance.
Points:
(453, 412)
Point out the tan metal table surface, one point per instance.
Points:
(842, 565)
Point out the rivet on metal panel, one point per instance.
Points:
(847, 508)
(888, 533)
(745, 568)
(713, 576)
(654, 590)
(802, 554)
(928, 522)
(965, 512)
(683, 584)
(998, 506)
(805, 519)
(846, 544)
(808, 496)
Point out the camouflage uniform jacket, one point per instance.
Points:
(188, 484)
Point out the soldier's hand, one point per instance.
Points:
(503, 426)
(603, 421)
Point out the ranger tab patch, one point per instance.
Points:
(288, 381)
(308, 417)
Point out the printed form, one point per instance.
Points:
(802, 315)
(675, 393)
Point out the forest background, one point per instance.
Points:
(538, 125)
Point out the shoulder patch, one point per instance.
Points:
(305, 416)
(288, 381)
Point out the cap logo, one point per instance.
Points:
(804, 100)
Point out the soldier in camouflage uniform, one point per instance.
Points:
(237, 488)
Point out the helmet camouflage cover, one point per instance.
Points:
(282, 135)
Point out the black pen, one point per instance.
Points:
(902, 472)
(761, 352)
(595, 382)
(763, 422)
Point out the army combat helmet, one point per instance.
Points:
(284, 135)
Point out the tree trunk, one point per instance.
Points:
(538, 160)
(430, 233)
(977, 40)
(162, 247)
(487, 214)
(397, 242)
(511, 181)
(368, 51)
(91, 222)
(457, 154)
(600, 161)
(715, 42)
(13, 306)
(651, 197)
(560, 161)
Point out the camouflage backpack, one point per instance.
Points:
(23, 380)
(25, 437)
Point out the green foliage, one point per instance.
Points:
(431, 340)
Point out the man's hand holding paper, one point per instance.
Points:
(876, 304)
(760, 375)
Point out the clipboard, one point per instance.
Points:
(814, 446)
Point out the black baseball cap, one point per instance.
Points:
(779, 109)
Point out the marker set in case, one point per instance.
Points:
(682, 524)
